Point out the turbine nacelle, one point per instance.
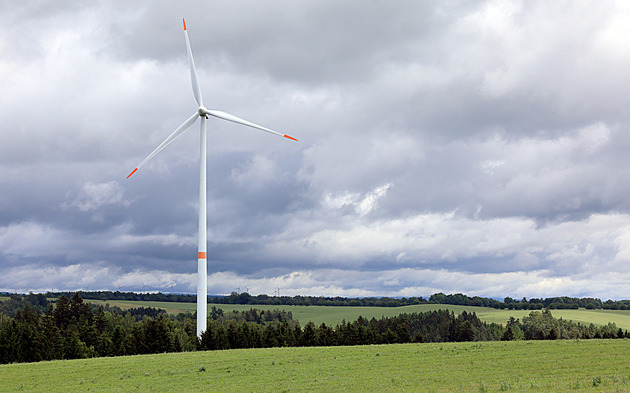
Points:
(203, 111)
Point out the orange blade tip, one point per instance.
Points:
(184, 23)
(290, 137)
(132, 172)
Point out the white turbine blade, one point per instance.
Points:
(193, 70)
(176, 134)
(232, 118)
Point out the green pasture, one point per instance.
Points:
(530, 366)
(170, 307)
(334, 315)
(331, 315)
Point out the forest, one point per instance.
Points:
(32, 329)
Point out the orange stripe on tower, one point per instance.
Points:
(202, 255)
(184, 23)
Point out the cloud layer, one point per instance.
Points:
(455, 146)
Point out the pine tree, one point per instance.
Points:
(62, 313)
(308, 338)
(157, 336)
(208, 338)
(508, 335)
(118, 341)
(73, 347)
(52, 340)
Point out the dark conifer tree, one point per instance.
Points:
(508, 335)
(52, 340)
(118, 341)
(73, 347)
(325, 336)
(62, 313)
(157, 337)
(208, 338)
(308, 338)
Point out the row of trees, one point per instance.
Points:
(434, 326)
(75, 329)
(565, 302)
(543, 326)
(246, 298)
(553, 303)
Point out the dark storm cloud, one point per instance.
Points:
(326, 42)
(459, 147)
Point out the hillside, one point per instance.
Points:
(334, 315)
(533, 366)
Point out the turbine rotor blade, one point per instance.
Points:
(176, 134)
(193, 70)
(232, 118)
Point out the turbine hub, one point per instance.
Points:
(202, 111)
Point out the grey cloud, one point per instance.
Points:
(322, 42)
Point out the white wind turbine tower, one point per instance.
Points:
(202, 113)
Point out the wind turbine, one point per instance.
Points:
(201, 113)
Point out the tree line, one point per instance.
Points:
(433, 326)
(541, 325)
(552, 303)
(75, 329)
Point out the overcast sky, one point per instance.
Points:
(454, 146)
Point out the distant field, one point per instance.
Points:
(331, 315)
(5, 298)
(170, 307)
(531, 366)
(596, 317)
(334, 315)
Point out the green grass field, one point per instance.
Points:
(317, 314)
(334, 315)
(531, 366)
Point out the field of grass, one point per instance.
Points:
(532, 366)
(334, 315)
(170, 307)
(318, 314)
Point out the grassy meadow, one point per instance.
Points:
(532, 366)
(334, 315)
(331, 315)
